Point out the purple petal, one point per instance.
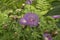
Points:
(31, 15)
(47, 36)
(56, 16)
(29, 1)
(23, 21)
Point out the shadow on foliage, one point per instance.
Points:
(55, 11)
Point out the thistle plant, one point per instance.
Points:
(29, 20)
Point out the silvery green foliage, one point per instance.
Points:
(43, 5)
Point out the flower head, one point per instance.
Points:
(56, 16)
(47, 36)
(32, 19)
(29, 1)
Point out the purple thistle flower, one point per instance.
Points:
(32, 19)
(23, 21)
(56, 16)
(29, 1)
(47, 36)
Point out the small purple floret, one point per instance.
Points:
(23, 21)
(47, 36)
(56, 16)
(29, 1)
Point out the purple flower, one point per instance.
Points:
(47, 36)
(30, 19)
(56, 16)
(29, 1)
